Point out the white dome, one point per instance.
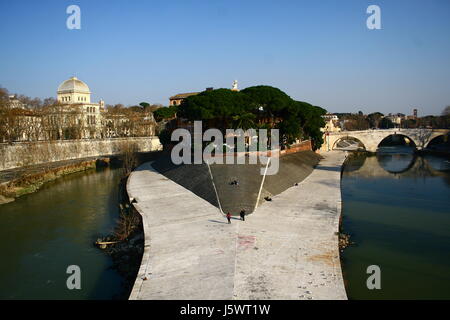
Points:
(73, 85)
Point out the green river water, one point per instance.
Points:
(41, 234)
(396, 207)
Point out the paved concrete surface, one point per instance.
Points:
(233, 198)
(287, 249)
(194, 177)
(189, 249)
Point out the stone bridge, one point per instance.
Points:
(371, 139)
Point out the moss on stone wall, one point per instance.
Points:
(29, 183)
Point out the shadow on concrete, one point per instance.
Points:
(223, 222)
(328, 168)
(293, 169)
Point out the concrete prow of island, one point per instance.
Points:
(286, 249)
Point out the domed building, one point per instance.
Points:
(74, 91)
(76, 96)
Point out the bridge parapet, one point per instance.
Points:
(372, 138)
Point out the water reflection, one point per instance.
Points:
(44, 232)
(437, 163)
(390, 163)
(396, 162)
(396, 208)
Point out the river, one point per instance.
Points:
(41, 234)
(396, 207)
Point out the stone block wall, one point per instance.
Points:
(302, 146)
(19, 154)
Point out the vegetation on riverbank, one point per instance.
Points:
(126, 242)
(29, 183)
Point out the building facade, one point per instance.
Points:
(75, 97)
(331, 123)
(72, 117)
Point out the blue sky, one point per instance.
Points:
(316, 51)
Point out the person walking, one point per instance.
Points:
(242, 214)
(229, 217)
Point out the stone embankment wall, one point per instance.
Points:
(302, 146)
(22, 154)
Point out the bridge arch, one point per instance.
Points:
(396, 139)
(439, 139)
(346, 142)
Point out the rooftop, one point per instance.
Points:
(183, 95)
(73, 85)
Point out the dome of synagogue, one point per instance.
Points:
(73, 85)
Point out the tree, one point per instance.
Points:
(128, 151)
(164, 137)
(374, 119)
(258, 106)
(165, 113)
(244, 121)
(354, 122)
(136, 109)
(386, 123)
(3, 111)
(290, 130)
(216, 107)
(311, 122)
(446, 111)
(268, 103)
(144, 104)
(409, 123)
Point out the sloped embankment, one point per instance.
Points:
(235, 197)
(194, 177)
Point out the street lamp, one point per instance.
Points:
(327, 134)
